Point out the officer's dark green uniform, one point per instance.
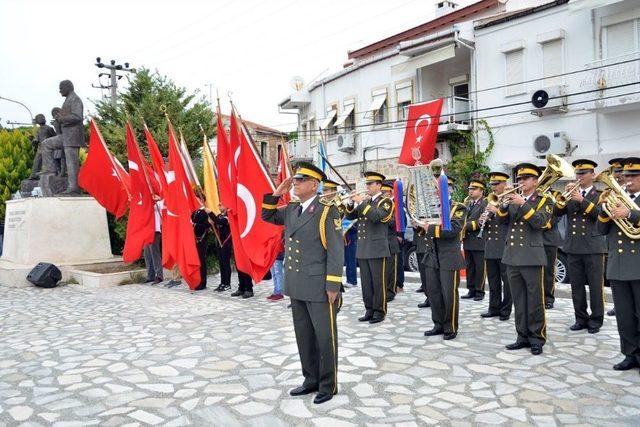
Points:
(373, 249)
(623, 270)
(443, 262)
(332, 186)
(616, 168)
(495, 236)
(551, 239)
(421, 241)
(394, 248)
(314, 257)
(525, 259)
(474, 247)
(585, 248)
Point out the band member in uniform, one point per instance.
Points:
(394, 246)
(495, 236)
(616, 165)
(421, 242)
(329, 189)
(474, 247)
(623, 266)
(527, 214)
(551, 239)
(443, 262)
(373, 211)
(584, 246)
(314, 254)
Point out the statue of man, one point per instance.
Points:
(70, 118)
(58, 155)
(44, 131)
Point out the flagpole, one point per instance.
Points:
(328, 162)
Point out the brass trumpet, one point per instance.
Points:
(562, 199)
(498, 199)
(340, 199)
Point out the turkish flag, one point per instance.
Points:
(103, 177)
(284, 172)
(158, 164)
(418, 147)
(178, 239)
(223, 164)
(141, 222)
(261, 240)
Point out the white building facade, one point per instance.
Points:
(583, 55)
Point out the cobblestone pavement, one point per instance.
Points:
(148, 355)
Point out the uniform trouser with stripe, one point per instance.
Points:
(422, 269)
(587, 270)
(551, 252)
(500, 301)
(474, 264)
(626, 298)
(373, 273)
(527, 290)
(317, 337)
(400, 268)
(442, 291)
(391, 280)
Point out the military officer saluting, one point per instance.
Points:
(474, 247)
(584, 246)
(623, 266)
(443, 262)
(373, 211)
(527, 213)
(314, 255)
(495, 236)
(394, 247)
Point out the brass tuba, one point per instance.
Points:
(617, 195)
(556, 168)
(423, 197)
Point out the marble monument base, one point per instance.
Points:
(69, 232)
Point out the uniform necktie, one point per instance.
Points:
(584, 193)
(299, 210)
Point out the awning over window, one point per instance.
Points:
(348, 109)
(331, 114)
(429, 58)
(377, 102)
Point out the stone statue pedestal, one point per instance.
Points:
(65, 231)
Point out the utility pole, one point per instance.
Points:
(113, 76)
(210, 91)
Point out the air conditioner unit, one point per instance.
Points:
(553, 143)
(346, 143)
(550, 100)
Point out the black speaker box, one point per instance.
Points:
(45, 275)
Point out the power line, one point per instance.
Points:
(568, 73)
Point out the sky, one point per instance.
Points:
(248, 49)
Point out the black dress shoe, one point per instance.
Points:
(365, 318)
(611, 312)
(237, 293)
(247, 294)
(548, 305)
(517, 345)
(322, 397)
(478, 298)
(425, 304)
(485, 315)
(450, 336)
(536, 349)
(505, 317)
(420, 290)
(432, 332)
(469, 295)
(376, 319)
(593, 330)
(302, 390)
(629, 362)
(577, 327)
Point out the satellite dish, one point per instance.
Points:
(540, 98)
(297, 83)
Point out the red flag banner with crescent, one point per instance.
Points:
(420, 133)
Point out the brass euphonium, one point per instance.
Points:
(615, 196)
(556, 168)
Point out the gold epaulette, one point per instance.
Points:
(325, 202)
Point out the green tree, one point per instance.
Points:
(467, 163)
(145, 99)
(16, 159)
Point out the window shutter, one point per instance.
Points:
(515, 71)
(620, 39)
(552, 61)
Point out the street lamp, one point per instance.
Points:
(20, 103)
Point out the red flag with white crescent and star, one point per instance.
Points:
(103, 177)
(141, 221)
(421, 131)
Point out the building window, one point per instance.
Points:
(514, 63)
(379, 107)
(620, 39)
(329, 120)
(312, 130)
(346, 119)
(404, 98)
(552, 62)
(264, 151)
(460, 103)
(380, 116)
